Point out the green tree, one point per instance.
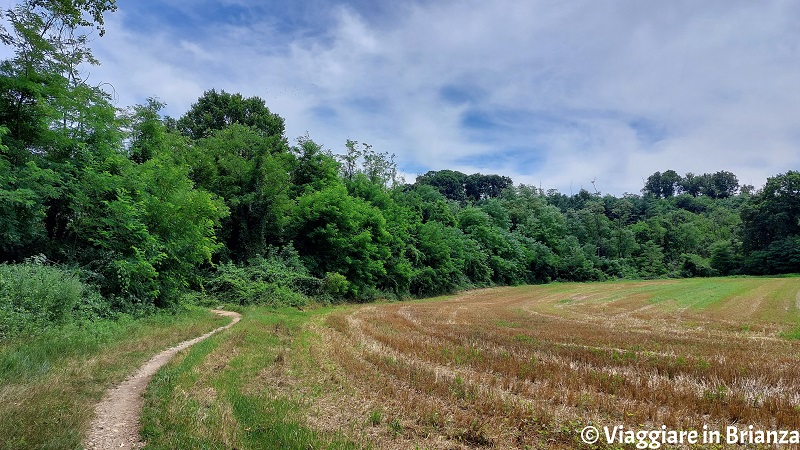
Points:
(771, 225)
(251, 171)
(506, 257)
(24, 194)
(649, 260)
(693, 184)
(478, 187)
(662, 185)
(314, 167)
(449, 182)
(216, 111)
(142, 228)
(360, 158)
(147, 131)
(721, 184)
(337, 233)
(723, 258)
(44, 101)
(773, 213)
(441, 265)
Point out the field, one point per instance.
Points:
(521, 367)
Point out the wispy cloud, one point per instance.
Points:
(555, 94)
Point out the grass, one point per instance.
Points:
(218, 395)
(50, 384)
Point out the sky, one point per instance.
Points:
(559, 94)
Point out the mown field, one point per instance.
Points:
(522, 367)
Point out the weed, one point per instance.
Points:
(524, 338)
(375, 417)
(395, 427)
(717, 394)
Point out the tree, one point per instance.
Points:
(314, 167)
(142, 228)
(723, 259)
(181, 218)
(692, 184)
(622, 237)
(429, 203)
(216, 111)
(251, 171)
(479, 187)
(337, 233)
(653, 185)
(449, 182)
(774, 213)
(45, 103)
(662, 185)
(506, 258)
(24, 194)
(670, 182)
(442, 264)
(379, 168)
(721, 184)
(147, 134)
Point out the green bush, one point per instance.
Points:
(693, 265)
(279, 279)
(335, 286)
(34, 296)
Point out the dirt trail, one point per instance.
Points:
(116, 423)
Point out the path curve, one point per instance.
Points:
(116, 424)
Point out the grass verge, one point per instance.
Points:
(50, 384)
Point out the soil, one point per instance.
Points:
(116, 424)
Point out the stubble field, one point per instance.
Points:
(523, 367)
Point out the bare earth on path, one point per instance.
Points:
(117, 416)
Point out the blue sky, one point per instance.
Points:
(551, 93)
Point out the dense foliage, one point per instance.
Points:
(145, 207)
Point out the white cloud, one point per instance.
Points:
(611, 91)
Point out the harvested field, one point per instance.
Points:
(529, 367)
(522, 367)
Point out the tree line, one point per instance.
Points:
(146, 207)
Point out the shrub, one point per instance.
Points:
(335, 285)
(693, 265)
(34, 296)
(279, 279)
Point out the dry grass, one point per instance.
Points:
(526, 367)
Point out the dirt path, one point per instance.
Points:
(116, 423)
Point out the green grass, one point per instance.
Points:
(793, 334)
(697, 294)
(700, 293)
(49, 384)
(214, 397)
